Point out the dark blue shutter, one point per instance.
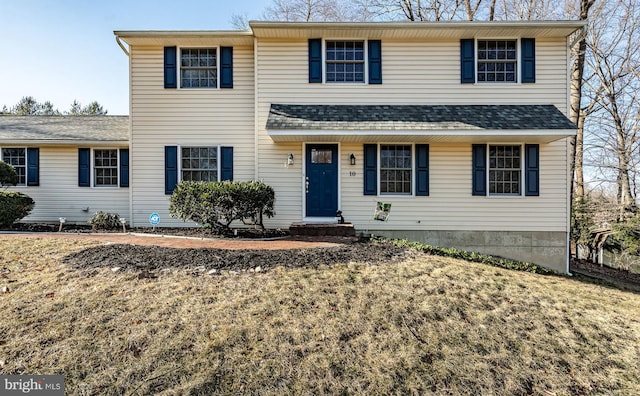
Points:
(226, 67)
(370, 169)
(467, 61)
(84, 167)
(532, 170)
(528, 51)
(226, 163)
(422, 169)
(479, 165)
(375, 62)
(124, 167)
(170, 67)
(315, 60)
(170, 168)
(33, 166)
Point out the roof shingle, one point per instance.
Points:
(64, 128)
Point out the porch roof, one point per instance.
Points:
(447, 123)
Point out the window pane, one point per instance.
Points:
(199, 163)
(344, 61)
(395, 169)
(504, 170)
(105, 168)
(198, 68)
(497, 61)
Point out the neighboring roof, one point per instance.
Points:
(295, 122)
(371, 30)
(64, 129)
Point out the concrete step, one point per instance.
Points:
(322, 229)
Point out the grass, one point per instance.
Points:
(429, 325)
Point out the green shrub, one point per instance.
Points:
(105, 221)
(8, 175)
(216, 205)
(13, 207)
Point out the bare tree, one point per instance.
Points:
(312, 11)
(614, 61)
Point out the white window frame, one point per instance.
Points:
(522, 171)
(365, 80)
(413, 170)
(179, 63)
(218, 158)
(26, 162)
(93, 167)
(518, 60)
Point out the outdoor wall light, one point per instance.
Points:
(290, 159)
(352, 158)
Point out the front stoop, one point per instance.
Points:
(322, 229)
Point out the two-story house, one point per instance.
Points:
(461, 126)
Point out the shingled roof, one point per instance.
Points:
(416, 117)
(64, 129)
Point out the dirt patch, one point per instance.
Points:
(153, 258)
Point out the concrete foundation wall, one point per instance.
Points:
(548, 249)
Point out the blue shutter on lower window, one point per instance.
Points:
(532, 170)
(315, 60)
(467, 61)
(124, 167)
(170, 169)
(170, 67)
(226, 163)
(226, 67)
(84, 167)
(422, 169)
(370, 169)
(479, 165)
(528, 55)
(375, 62)
(33, 166)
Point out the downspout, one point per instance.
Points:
(568, 156)
(124, 49)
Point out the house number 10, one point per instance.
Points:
(352, 173)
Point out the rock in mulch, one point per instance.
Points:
(153, 258)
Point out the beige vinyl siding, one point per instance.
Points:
(415, 73)
(185, 117)
(58, 194)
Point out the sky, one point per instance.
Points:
(65, 50)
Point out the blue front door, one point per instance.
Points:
(321, 181)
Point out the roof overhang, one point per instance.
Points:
(184, 37)
(417, 123)
(414, 30)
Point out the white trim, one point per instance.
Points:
(179, 66)
(92, 170)
(518, 62)
(365, 74)
(379, 168)
(218, 159)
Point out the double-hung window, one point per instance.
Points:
(396, 169)
(105, 168)
(17, 157)
(505, 169)
(344, 61)
(198, 68)
(199, 163)
(497, 61)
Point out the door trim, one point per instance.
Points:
(303, 209)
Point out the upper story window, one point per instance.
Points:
(505, 170)
(17, 157)
(105, 168)
(344, 61)
(198, 68)
(199, 163)
(497, 61)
